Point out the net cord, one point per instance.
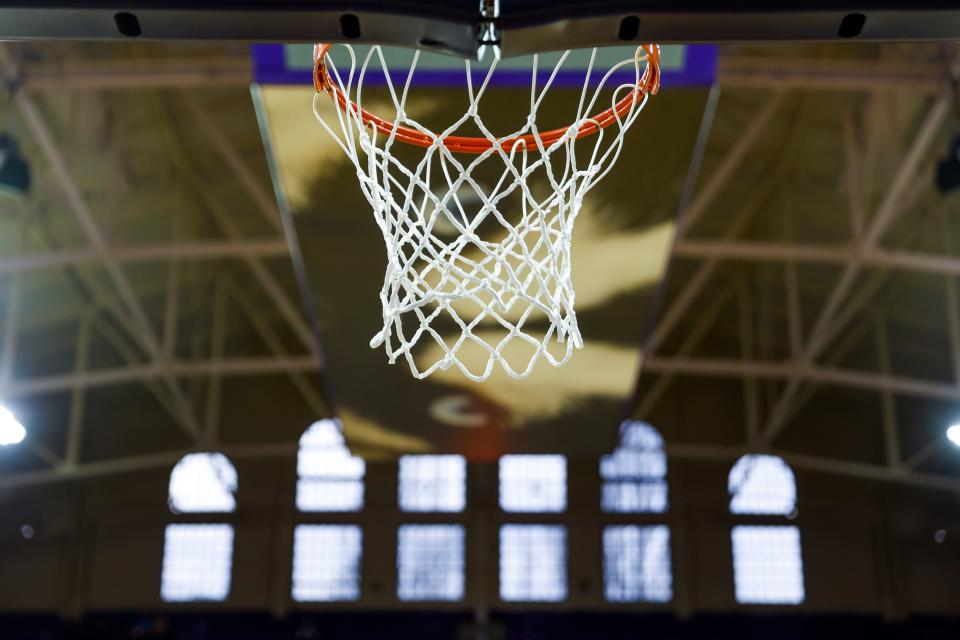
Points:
(428, 277)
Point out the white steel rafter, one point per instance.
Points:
(162, 373)
(801, 367)
(143, 331)
(168, 374)
(288, 308)
(890, 208)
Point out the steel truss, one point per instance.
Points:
(166, 375)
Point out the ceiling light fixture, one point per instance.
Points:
(953, 434)
(11, 431)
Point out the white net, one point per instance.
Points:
(479, 269)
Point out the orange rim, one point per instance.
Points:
(649, 84)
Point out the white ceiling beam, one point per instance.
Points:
(170, 327)
(11, 323)
(220, 141)
(84, 217)
(938, 444)
(174, 368)
(721, 174)
(214, 250)
(218, 329)
(273, 342)
(763, 251)
(785, 370)
(950, 295)
(288, 309)
(11, 317)
(706, 367)
(127, 74)
(78, 394)
(891, 432)
(947, 265)
(265, 204)
(836, 355)
(924, 454)
(890, 208)
(830, 75)
(120, 343)
(171, 310)
(698, 205)
(853, 175)
(792, 289)
(693, 338)
(751, 400)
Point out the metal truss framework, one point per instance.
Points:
(806, 369)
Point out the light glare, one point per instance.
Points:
(11, 431)
(953, 434)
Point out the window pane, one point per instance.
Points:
(430, 562)
(636, 564)
(533, 484)
(326, 562)
(634, 475)
(634, 497)
(761, 484)
(314, 495)
(197, 560)
(432, 483)
(203, 483)
(329, 477)
(767, 565)
(533, 563)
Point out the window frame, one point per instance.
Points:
(184, 519)
(775, 518)
(647, 518)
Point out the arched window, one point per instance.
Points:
(635, 475)
(329, 478)
(762, 485)
(767, 558)
(198, 558)
(636, 556)
(327, 557)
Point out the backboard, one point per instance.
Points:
(620, 251)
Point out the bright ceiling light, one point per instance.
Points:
(953, 434)
(11, 431)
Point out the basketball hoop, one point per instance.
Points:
(481, 301)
